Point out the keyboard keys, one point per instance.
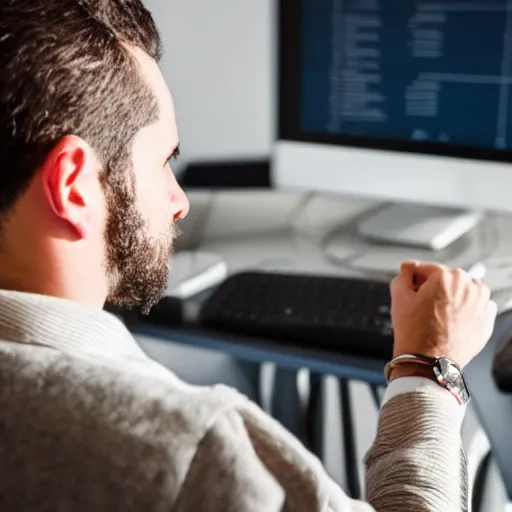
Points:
(338, 314)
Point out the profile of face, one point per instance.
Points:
(119, 217)
(142, 206)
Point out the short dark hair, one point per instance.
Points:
(65, 70)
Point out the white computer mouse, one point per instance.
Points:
(192, 272)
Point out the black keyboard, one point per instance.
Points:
(339, 314)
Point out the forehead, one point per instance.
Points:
(153, 76)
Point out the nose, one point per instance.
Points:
(179, 201)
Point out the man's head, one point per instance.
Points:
(88, 201)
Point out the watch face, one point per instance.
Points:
(450, 376)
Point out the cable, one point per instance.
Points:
(293, 220)
(486, 241)
(332, 258)
(297, 210)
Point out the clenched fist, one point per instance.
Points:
(439, 312)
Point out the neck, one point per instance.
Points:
(50, 272)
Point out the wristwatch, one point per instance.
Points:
(446, 372)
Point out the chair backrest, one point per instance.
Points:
(494, 407)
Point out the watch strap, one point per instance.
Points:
(408, 359)
(446, 372)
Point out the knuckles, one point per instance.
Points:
(447, 279)
(459, 274)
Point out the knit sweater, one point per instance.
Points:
(89, 423)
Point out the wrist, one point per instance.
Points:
(412, 370)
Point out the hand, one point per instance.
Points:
(438, 312)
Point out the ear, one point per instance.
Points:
(69, 175)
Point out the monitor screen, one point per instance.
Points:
(408, 75)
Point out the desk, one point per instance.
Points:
(261, 351)
(288, 232)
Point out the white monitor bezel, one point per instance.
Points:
(393, 176)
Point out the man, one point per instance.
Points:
(88, 205)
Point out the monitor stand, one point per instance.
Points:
(426, 227)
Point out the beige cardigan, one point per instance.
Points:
(89, 423)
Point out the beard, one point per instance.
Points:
(137, 264)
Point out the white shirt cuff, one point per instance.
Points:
(404, 385)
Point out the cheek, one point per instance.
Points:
(154, 203)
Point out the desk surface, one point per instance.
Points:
(290, 232)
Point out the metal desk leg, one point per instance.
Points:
(314, 420)
(349, 441)
(286, 405)
(326, 429)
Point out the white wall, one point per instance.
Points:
(219, 62)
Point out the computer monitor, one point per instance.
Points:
(408, 101)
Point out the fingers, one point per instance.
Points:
(467, 288)
(461, 285)
(424, 269)
(412, 275)
(492, 309)
(461, 277)
(462, 280)
(415, 273)
(409, 266)
(457, 282)
(405, 281)
(407, 273)
(484, 291)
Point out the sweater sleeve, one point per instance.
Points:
(226, 474)
(232, 471)
(417, 461)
